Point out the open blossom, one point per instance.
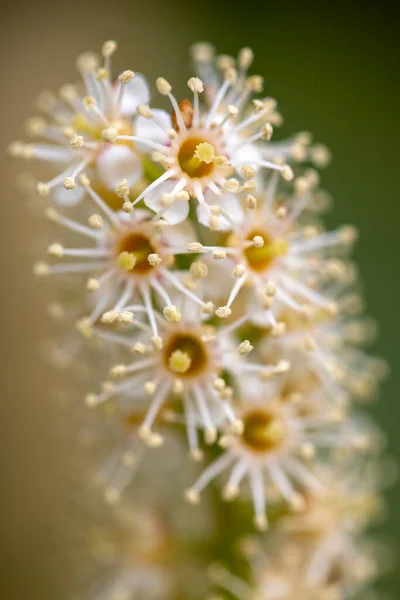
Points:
(271, 255)
(129, 258)
(282, 573)
(201, 150)
(327, 350)
(76, 130)
(277, 439)
(187, 360)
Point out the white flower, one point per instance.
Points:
(279, 261)
(277, 440)
(82, 128)
(327, 350)
(202, 150)
(280, 571)
(130, 258)
(186, 362)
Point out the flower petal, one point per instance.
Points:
(136, 92)
(148, 129)
(64, 197)
(175, 213)
(118, 162)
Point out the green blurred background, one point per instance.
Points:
(334, 69)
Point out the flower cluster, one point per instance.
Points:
(190, 248)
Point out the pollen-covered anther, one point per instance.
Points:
(195, 247)
(196, 85)
(196, 454)
(155, 440)
(279, 329)
(110, 134)
(260, 521)
(199, 270)
(208, 308)
(281, 212)
(179, 362)
(126, 260)
(230, 492)
(36, 126)
(118, 371)
(149, 387)
(219, 384)
(282, 367)
(154, 259)
(270, 289)
(348, 234)
(92, 285)
(287, 173)
(163, 86)
(89, 102)
(182, 196)
(43, 189)
(139, 348)
(267, 130)
(127, 207)
(178, 387)
(233, 110)
(245, 348)
(231, 185)
(258, 241)
(145, 111)
(41, 269)
(231, 75)
(84, 180)
(102, 74)
(109, 317)
(56, 250)
(126, 77)
(210, 435)
(219, 254)
(96, 221)
(157, 343)
(69, 183)
(84, 327)
(205, 152)
(256, 83)
(248, 171)
(76, 141)
(192, 496)
(297, 503)
(238, 271)
(226, 393)
(172, 314)
(91, 400)
(307, 450)
(108, 48)
(122, 190)
(223, 312)
(125, 317)
(251, 202)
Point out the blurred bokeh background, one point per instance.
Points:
(332, 67)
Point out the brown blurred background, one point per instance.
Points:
(333, 68)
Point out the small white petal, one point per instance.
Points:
(118, 162)
(135, 92)
(146, 128)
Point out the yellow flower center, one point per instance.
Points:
(82, 125)
(185, 354)
(196, 157)
(263, 431)
(133, 252)
(260, 258)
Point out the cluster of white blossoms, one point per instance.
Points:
(189, 247)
